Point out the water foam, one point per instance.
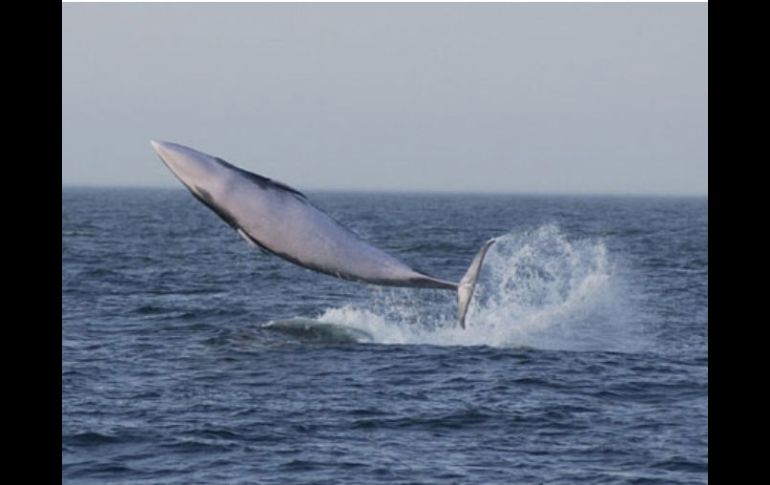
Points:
(536, 289)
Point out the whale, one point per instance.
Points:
(280, 220)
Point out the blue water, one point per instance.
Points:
(188, 357)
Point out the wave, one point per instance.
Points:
(308, 330)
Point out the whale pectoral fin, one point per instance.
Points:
(468, 283)
(251, 241)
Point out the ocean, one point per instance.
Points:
(189, 357)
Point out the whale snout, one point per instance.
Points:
(193, 168)
(162, 148)
(174, 155)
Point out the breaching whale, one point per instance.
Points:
(278, 219)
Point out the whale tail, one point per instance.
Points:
(468, 283)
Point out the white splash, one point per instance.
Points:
(536, 289)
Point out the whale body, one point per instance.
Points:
(281, 220)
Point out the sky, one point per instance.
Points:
(513, 98)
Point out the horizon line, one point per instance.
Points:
(415, 191)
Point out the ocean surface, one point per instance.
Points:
(189, 357)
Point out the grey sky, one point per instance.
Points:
(586, 98)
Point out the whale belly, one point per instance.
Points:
(294, 229)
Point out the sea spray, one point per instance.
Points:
(537, 289)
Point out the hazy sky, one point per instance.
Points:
(586, 98)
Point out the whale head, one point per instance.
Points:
(193, 168)
(208, 178)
